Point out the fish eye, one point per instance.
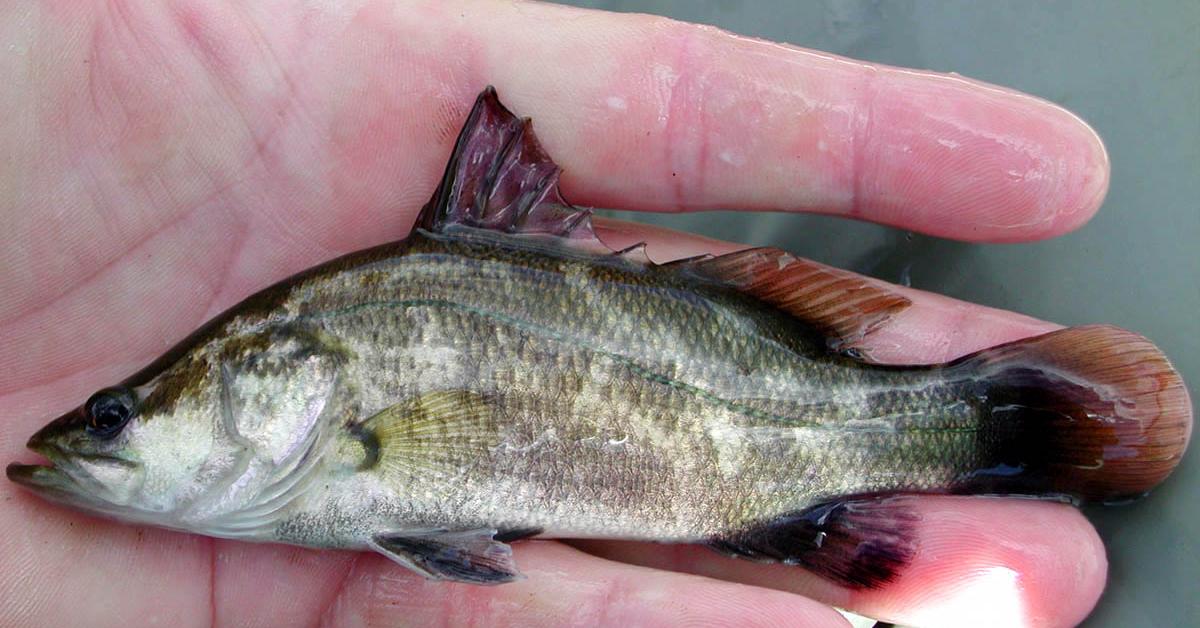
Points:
(108, 411)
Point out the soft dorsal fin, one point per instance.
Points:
(843, 305)
(500, 178)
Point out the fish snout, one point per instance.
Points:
(59, 432)
(80, 469)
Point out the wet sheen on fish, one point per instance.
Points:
(501, 374)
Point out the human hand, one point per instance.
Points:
(163, 162)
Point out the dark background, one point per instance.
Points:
(1132, 70)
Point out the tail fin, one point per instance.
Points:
(1096, 413)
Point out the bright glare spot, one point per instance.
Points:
(731, 158)
(616, 102)
(990, 598)
(857, 621)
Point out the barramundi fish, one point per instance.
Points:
(500, 374)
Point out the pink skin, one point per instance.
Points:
(166, 159)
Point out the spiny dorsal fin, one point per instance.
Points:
(500, 178)
(841, 304)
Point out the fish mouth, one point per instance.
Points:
(38, 477)
(46, 477)
(63, 472)
(60, 478)
(47, 481)
(58, 486)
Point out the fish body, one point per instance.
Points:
(545, 399)
(500, 374)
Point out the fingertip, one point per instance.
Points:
(959, 158)
(1087, 173)
(1047, 570)
(1064, 586)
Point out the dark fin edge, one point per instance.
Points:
(1096, 413)
(859, 543)
(842, 305)
(499, 178)
(511, 535)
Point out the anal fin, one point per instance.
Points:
(860, 543)
(468, 556)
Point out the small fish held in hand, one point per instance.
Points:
(500, 374)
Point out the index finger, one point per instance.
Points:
(648, 113)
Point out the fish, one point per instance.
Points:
(500, 374)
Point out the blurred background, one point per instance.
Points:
(1132, 70)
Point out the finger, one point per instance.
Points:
(333, 116)
(648, 113)
(564, 586)
(978, 562)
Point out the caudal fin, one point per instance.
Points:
(1096, 413)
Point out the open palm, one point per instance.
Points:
(162, 161)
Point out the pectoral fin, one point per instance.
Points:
(470, 556)
(435, 434)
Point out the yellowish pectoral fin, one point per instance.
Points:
(437, 432)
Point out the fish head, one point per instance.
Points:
(134, 452)
(200, 437)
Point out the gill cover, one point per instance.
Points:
(281, 400)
